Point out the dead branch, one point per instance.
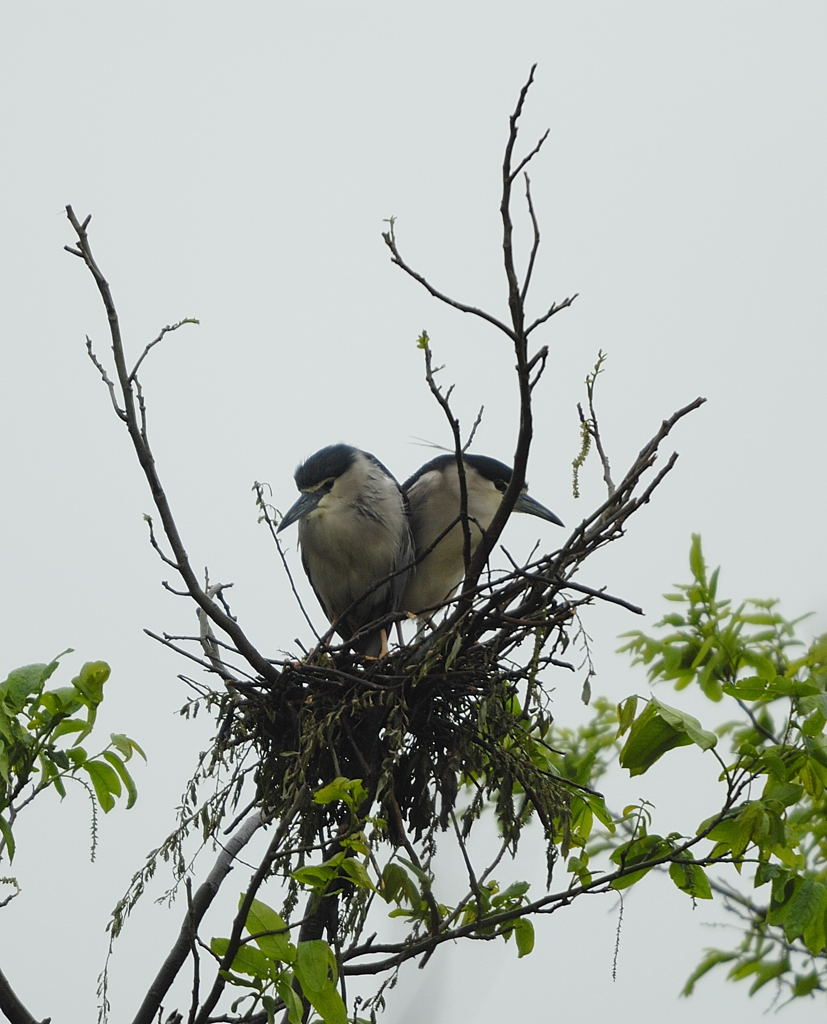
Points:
(136, 424)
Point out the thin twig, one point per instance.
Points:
(164, 330)
(390, 240)
(135, 422)
(535, 244)
(459, 448)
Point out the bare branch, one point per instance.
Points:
(555, 308)
(473, 431)
(530, 156)
(519, 338)
(271, 526)
(105, 377)
(207, 638)
(390, 240)
(535, 245)
(154, 342)
(541, 355)
(453, 423)
(153, 540)
(136, 426)
(196, 960)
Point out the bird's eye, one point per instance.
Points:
(501, 485)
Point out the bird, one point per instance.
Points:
(356, 542)
(433, 493)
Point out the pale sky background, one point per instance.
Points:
(238, 161)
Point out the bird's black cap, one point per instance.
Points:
(491, 469)
(329, 463)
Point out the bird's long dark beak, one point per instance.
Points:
(525, 503)
(305, 504)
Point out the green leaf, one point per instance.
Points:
(644, 848)
(524, 934)
(291, 1000)
(767, 873)
(349, 791)
(768, 972)
(22, 682)
(105, 782)
(316, 972)
(515, 891)
(127, 780)
(8, 726)
(356, 871)
(423, 876)
(691, 878)
(67, 728)
(316, 876)
(247, 960)
(730, 834)
(8, 838)
(62, 701)
(315, 964)
(89, 681)
(329, 1005)
(712, 959)
(261, 918)
(804, 912)
(750, 688)
(77, 755)
(689, 724)
(656, 730)
(57, 782)
(597, 803)
(696, 558)
(806, 983)
(626, 714)
(745, 968)
(396, 883)
(126, 746)
(786, 793)
(314, 961)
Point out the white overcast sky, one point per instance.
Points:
(238, 160)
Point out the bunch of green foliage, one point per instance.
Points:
(772, 756)
(41, 737)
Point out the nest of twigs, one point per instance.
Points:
(417, 727)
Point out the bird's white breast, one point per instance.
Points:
(435, 504)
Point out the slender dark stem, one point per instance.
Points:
(390, 240)
(135, 422)
(459, 448)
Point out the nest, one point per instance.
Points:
(417, 728)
